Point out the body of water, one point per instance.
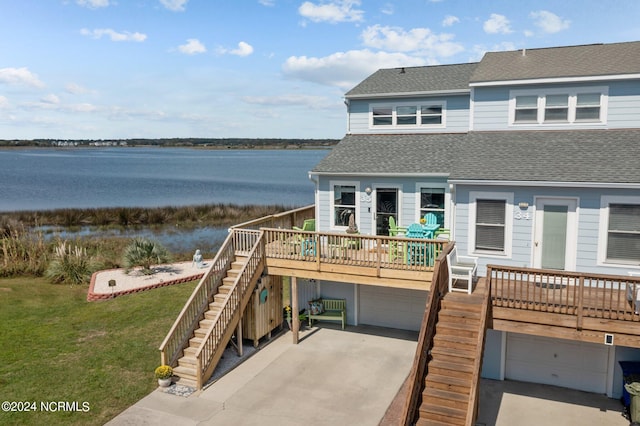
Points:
(48, 178)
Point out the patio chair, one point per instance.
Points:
(430, 219)
(308, 225)
(396, 249)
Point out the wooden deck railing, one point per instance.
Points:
(353, 249)
(472, 409)
(439, 287)
(245, 241)
(285, 220)
(194, 308)
(571, 293)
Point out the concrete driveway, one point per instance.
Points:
(336, 377)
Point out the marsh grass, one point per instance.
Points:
(56, 346)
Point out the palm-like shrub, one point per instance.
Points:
(144, 253)
(69, 265)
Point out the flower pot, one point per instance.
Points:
(164, 383)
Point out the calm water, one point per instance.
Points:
(39, 179)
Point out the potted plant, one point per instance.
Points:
(163, 374)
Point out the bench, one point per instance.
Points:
(461, 268)
(334, 310)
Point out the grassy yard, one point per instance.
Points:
(56, 346)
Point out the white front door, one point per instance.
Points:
(555, 233)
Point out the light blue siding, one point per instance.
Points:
(588, 214)
(457, 116)
(491, 106)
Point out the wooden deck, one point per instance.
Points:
(567, 305)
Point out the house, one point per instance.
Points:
(530, 159)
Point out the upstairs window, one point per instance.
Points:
(558, 106)
(405, 115)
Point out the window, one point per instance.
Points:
(490, 224)
(344, 204)
(558, 106)
(623, 234)
(432, 201)
(408, 115)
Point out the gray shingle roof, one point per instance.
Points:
(591, 156)
(554, 62)
(415, 80)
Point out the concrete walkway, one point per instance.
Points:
(332, 377)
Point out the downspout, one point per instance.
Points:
(348, 104)
(452, 217)
(316, 196)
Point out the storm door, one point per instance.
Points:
(386, 206)
(555, 244)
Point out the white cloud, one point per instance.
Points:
(345, 69)
(93, 4)
(244, 49)
(113, 35)
(549, 22)
(174, 5)
(192, 47)
(497, 24)
(267, 2)
(449, 20)
(480, 49)
(388, 9)
(4, 102)
(333, 11)
(50, 99)
(19, 76)
(528, 33)
(421, 40)
(315, 102)
(75, 89)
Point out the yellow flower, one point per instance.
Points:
(164, 372)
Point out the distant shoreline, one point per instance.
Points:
(199, 143)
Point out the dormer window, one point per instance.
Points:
(558, 106)
(408, 115)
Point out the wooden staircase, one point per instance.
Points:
(449, 396)
(185, 372)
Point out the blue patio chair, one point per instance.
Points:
(430, 219)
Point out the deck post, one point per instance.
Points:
(295, 310)
(580, 303)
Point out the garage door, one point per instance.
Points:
(575, 365)
(395, 308)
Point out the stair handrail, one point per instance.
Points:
(439, 287)
(196, 305)
(472, 408)
(232, 303)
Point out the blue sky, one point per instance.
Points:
(102, 69)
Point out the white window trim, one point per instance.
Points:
(605, 201)
(508, 223)
(447, 200)
(332, 185)
(417, 104)
(572, 92)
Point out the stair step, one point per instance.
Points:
(445, 397)
(227, 282)
(195, 342)
(451, 369)
(455, 329)
(188, 361)
(220, 298)
(201, 332)
(185, 372)
(460, 342)
(190, 351)
(453, 384)
(450, 415)
(444, 351)
(183, 381)
(238, 264)
(456, 314)
(463, 303)
(206, 323)
(226, 288)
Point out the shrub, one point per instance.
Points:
(163, 372)
(69, 265)
(144, 253)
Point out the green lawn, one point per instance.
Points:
(56, 346)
